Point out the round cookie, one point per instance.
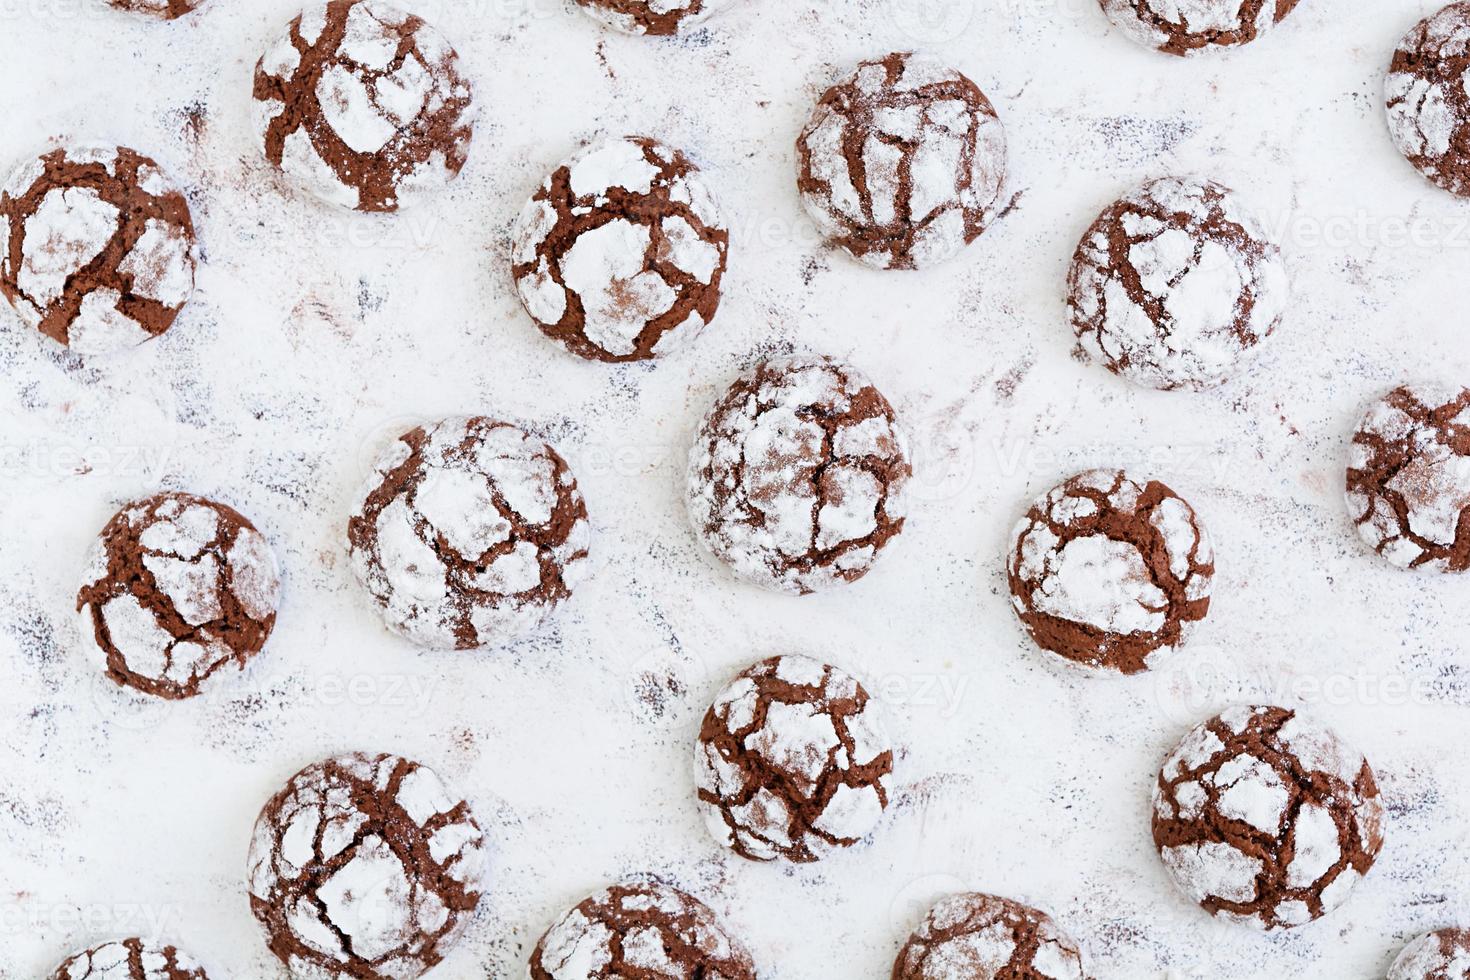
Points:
(982, 937)
(1175, 285)
(1265, 818)
(364, 104)
(902, 163)
(365, 866)
(620, 254)
(1428, 101)
(798, 478)
(1107, 572)
(1440, 955)
(470, 532)
(639, 930)
(176, 589)
(656, 17)
(99, 247)
(1187, 27)
(1408, 477)
(167, 9)
(130, 959)
(793, 762)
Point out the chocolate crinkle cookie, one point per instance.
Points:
(640, 931)
(177, 588)
(130, 959)
(798, 478)
(1265, 818)
(99, 247)
(1429, 101)
(470, 532)
(793, 762)
(657, 17)
(1408, 477)
(167, 9)
(1106, 572)
(1186, 27)
(982, 937)
(1175, 285)
(365, 866)
(364, 104)
(620, 254)
(1440, 955)
(902, 163)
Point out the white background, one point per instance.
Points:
(317, 335)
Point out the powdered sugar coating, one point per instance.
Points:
(1109, 573)
(1408, 477)
(902, 163)
(1266, 818)
(793, 762)
(620, 254)
(177, 588)
(365, 866)
(640, 929)
(1440, 955)
(654, 17)
(363, 103)
(470, 532)
(1428, 97)
(130, 959)
(798, 477)
(166, 9)
(983, 937)
(1175, 285)
(98, 248)
(1187, 27)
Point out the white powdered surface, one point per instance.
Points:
(317, 335)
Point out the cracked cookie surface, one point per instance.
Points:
(798, 478)
(1187, 27)
(167, 9)
(1408, 477)
(365, 866)
(1266, 818)
(656, 17)
(130, 959)
(1440, 955)
(640, 931)
(99, 247)
(469, 532)
(1428, 98)
(364, 104)
(620, 254)
(793, 762)
(902, 163)
(983, 937)
(1176, 285)
(176, 589)
(1107, 572)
